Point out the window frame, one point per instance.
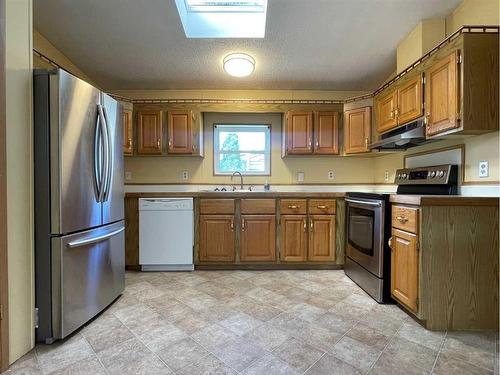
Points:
(240, 127)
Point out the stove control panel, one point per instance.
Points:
(435, 175)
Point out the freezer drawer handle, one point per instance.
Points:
(377, 204)
(88, 241)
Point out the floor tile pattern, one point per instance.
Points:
(257, 322)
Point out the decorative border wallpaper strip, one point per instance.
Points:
(491, 29)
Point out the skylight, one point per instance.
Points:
(223, 18)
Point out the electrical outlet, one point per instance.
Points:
(483, 169)
(386, 176)
(300, 176)
(185, 175)
(128, 176)
(331, 175)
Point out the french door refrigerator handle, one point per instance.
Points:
(105, 158)
(109, 148)
(97, 156)
(91, 240)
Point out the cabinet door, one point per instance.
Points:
(299, 131)
(410, 100)
(441, 95)
(326, 133)
(386, 112)
(293, 238)
(357, 130)
(180, 135)
(217, 238)
(321, 238)
(128, 146)
(404, 268)
(149, 132)
(258, 238)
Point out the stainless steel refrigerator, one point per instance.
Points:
(79, 206)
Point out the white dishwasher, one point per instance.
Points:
(166, 234)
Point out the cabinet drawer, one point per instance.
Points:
(293, 206)
(405, 218)
(258, 206)
(322, 206)
(217, 206)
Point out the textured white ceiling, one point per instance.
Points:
(309, 44)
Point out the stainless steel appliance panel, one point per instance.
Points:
(365, 233)
(87, 275)
(113, 199)
(73, 116)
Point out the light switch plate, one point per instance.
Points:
(331, 175)
(128, 176)
(300, 176)
(484, 169)
(185, 175)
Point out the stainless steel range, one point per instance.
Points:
(368, 260)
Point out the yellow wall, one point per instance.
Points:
(478, 148)
(19, 176)
(168, 169)
(473, 12)
(42, 45)
(419, 41)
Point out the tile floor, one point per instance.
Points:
(262, 323)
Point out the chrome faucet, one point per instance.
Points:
(241, 180)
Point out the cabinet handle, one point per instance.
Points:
(396, 112)
(242, 224)
(321, 207)
(305, 226)
(194, 147)
(317, 144)
(129, 143)
(158, 143)
(293, 207)
(310, 143)
(169, 143)
(390, 243)
(402, 219)
(366, 142)
(232, 226)
(392, 114)
(311, 225)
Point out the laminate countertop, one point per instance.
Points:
(443, 200)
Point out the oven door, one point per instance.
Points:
(365, 232)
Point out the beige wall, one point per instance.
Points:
(478, 148)
(168, 169)
(419, 41)
(42, 45)
(473, 12)
(19, 177)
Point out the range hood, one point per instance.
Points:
(403, 138)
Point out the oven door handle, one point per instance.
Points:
(375, 204)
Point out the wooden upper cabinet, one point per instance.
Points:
(180, 134)
(299, 132)
(293, 246)
(404, 268)
(386, 111)
(321, 238)
(357, 130)
(128, 134)
(410, 100)
(149, 132)
(217, 238)
(258, 238)
(326, 140)
(442, 95)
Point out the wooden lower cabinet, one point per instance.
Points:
(217, 238)
(321, 238)
(404, 268)
(293, 238)
(258, 238)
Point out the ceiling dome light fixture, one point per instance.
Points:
(239, 64)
